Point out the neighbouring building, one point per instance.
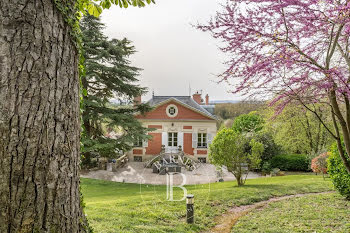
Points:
(180, 122)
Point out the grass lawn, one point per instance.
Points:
(119, 207)
(319, 213)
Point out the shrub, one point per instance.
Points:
(266, 168)
(271, 149)
(319, 163)
(293, 162)
(248, 123)
(229, 149)
(338, 173)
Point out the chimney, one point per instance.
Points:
(137, 100)
(197, 97)
(207, 99)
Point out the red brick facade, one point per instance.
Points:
(183, 113)
(202, 152)
(187, 127)
(137, 151)
(155, 144)
(155, 127)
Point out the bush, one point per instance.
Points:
(293, 162)
(319, 163)
(266, 168)
(271, 149)
(338, 173)
(248, 123)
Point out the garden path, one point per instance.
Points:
(229, 219)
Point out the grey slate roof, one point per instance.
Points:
(186, 100)
(209, 108)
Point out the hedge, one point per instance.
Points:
(291, 162)
(338, 173)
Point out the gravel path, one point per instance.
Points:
(135, 172)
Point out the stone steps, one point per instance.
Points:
(182, 160)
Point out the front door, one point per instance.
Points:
(172, 145)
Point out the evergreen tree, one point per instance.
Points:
(108, 75)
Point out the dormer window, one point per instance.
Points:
(172, 110)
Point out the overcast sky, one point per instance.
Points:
(172, 53)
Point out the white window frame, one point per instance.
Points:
(202, 140)
(171, 139)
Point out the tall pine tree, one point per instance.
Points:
(108, 75)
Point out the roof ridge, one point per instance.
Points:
(172, 96)
(186, 100)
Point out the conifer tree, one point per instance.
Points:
(109, 75)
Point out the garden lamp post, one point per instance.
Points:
(190, 208)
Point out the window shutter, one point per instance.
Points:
(181, 140)
(165, 139)
(145, 143)
(194, 140)
(210, 138)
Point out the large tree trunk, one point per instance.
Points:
(39, 120)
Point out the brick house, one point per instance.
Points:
(179, 121)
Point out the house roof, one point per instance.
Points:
(186, 101)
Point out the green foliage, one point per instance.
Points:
(271, 149)
(298, 131)
(248, 123)
(254, 157)
(228, 148)
(72, 14)
(291, 162)
(95, 7)
(108, 75)
(266, 167)
(231, 149)
(233, 110)
(338, 173)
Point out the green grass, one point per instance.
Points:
(118, 207)
(320, 213)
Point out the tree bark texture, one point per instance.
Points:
(39, 120)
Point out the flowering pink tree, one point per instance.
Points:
(319, 163)
(292, 50)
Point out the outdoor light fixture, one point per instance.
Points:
(172, 124)
(190, 208)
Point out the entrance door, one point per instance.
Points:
(172, 145)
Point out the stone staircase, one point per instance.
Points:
(179, 157)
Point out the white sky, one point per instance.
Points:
(172, 53)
